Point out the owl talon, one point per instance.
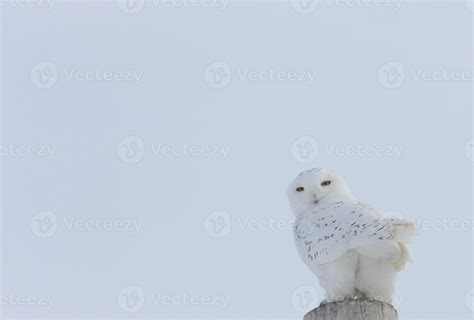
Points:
(360, 295)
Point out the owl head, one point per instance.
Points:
(315, 186)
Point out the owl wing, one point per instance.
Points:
(326, 233)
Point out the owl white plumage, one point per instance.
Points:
(354, 249)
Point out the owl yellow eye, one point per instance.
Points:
(299, 189)
(325, 183)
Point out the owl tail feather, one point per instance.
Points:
(404, 259)
(404, 230)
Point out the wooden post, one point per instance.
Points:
(354, 310)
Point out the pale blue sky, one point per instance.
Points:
(159, 141)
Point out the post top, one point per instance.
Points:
(353, 309)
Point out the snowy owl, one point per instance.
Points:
(354, 249)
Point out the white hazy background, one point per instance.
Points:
(105, 214)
